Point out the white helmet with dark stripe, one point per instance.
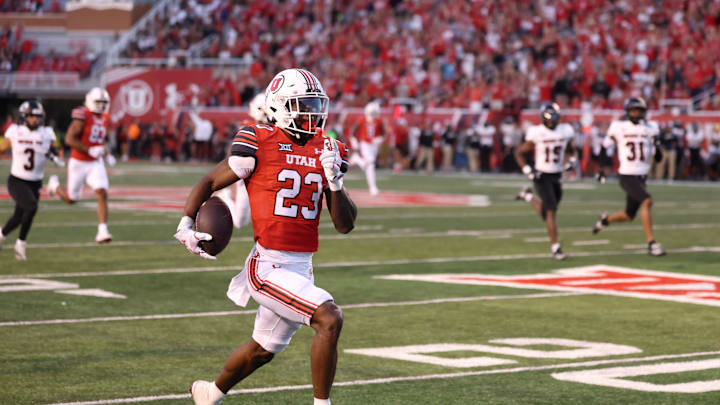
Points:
(97, 100)
(296, 102)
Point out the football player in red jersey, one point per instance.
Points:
(367, 136)
(287, 167)
(86, 136)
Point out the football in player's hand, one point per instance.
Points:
(214, 218)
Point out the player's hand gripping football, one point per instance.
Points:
(330, 160)
(188, 237)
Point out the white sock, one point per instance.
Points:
(555, 247)
(370, 176)
(321, 401)
(216, 393)
(528, 197)
(102, 228)
(2, 235)
(20, 243)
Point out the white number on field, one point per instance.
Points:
(613, 377)
(572, 349)
(35, 284)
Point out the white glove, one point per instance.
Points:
(330, 160)
(354, 143)
(58, 162)
(111, 161)
(190, 238)
(528, 171)
(570, 164)
(96, 151)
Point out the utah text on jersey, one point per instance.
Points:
(286, 187)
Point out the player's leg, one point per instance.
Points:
(77, 171)
(369, 155)
(16, 218)
(241, 363)
(551, 225)
(30, 206)
(672, 164)
(294, 298)
(550, 193)
(646, 217)
(430, 168)
(26, 195)
(97, 180)
(654, 248)
(631, 207)
(327, 322)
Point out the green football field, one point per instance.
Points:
(445, 304)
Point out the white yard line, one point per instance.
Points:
(591, 242)
(247, 312)
(389, 380)
(691, 249)
(485, 234)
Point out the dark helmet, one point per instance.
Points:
(31, 108)
(550, 115)
(635, 103)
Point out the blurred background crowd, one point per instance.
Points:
(439, 54)
(444, 53)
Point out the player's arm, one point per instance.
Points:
(525, 148)
(570, 160)
(343, 210)
(73, 138)
(223, 175)
(219, 177)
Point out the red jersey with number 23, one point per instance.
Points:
(94, 130)
(286, 187)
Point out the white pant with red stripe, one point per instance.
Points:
(282, 284)
(80, 172)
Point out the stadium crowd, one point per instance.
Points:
(451, 54)
(31, 6)
(690, 151)
(18, 54)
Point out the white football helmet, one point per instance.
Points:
(372, 110)
(97, 100)
(296, 102)
(257, 108)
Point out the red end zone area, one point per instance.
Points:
(173, 198)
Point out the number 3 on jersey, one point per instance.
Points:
(291, 210)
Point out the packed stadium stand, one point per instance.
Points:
(451, 54)
(496, 62)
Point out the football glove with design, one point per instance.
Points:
(190, 239)
(330, 160)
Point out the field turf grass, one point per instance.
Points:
(116, 349)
